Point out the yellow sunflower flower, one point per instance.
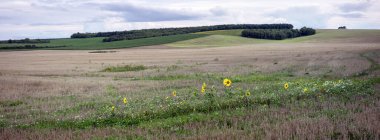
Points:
(227, 82)
(247, 93)
(305, 90)
(286, 86)
(204, 85)
(174, 93)
(125, 101)
(203, 90)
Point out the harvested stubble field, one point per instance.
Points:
(332, 77)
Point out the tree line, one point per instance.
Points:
(28, 46)
(145, 33)
(277, 34)
(26, 40)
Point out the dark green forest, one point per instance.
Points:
(277, 34)
(145, 33)
(26, 40)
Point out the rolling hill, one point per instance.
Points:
(218, 38)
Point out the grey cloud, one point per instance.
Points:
(2, 18)
(218, 11)
(355, 7)
(302, 16)
(352, 15)
(134, 13)
(50, 24)
(49, 7)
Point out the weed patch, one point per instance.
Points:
(213, 99)
(124, 68)
(10, 103)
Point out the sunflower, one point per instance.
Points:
(125, 101)
(174, 93)
(203, 90)
(247, 93)
(286, 86)
(227, 82)
(204, 85)
(305, 90)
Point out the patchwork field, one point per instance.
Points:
(324, 86)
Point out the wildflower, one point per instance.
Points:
(227, 82)
(167, 97)
(204, 85)
(203, 90)
(113, 108)
(125, 101)
(174, 93)
(247, 93)
(305, 90)
(286, 86)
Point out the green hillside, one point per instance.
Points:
(216, 41)
(218, 38)
(232, 38)
(96, 43)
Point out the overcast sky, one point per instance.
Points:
(61, 18)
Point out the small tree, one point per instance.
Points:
(342, 27)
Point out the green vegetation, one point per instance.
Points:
(145, 33)
(234, 107)
(124, 68)
(200, 39)
(26, 40)
(277, 34)
(335, 35)
(28, 47)
(102, 52)
(96, 43)
(170, 100)
(216, 41)
(222, 32)
(233, 38)
(10, 103)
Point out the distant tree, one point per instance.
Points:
(277, 34)
(304, 31)
(342, 27)
(26, 40)
(135, 34)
